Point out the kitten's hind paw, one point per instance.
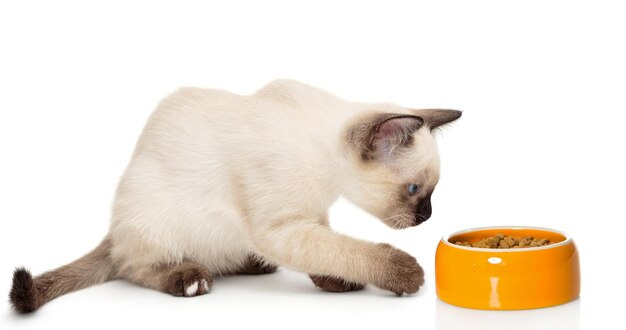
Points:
(255, 265)
(188, 281)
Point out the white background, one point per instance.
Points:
(541, 141)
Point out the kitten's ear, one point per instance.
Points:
(434, 118)
(381, 135)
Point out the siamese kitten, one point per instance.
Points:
(229, 184)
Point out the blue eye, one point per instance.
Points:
(413, 188)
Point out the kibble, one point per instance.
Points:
(500, 241)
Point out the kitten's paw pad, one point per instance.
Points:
(189, 282)
(403, 273)
(205, 285)
(191, 290)
(334, 284)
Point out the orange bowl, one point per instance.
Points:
(507, 279)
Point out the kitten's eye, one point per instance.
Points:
(413, 188)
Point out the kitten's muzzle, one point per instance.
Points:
(424, 210)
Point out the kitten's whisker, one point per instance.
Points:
(401, 221)
(394, 216)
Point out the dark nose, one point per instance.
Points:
(424, 210)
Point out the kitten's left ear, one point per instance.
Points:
(434, 118)
(382, 135)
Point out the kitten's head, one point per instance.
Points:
(394, 163)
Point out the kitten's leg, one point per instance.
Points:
(313, 248)
(334, 284)
(255, 265)
(186, 279)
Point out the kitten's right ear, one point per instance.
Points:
(383, 135)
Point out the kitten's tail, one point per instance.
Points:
(28, 293)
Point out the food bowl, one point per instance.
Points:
(507, 279)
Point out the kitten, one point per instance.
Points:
(228, 184)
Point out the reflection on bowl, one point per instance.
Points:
(507, 279)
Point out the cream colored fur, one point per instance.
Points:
(225, 184)
(218, 176)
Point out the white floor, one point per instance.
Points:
(284, 300)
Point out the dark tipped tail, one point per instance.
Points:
(22, 295)
(28, 293)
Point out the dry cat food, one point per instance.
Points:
(506, 242)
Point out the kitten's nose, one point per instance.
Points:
(423, 210)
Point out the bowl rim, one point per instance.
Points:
(445, 239)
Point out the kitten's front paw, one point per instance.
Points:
(334, 284)
(402, 274)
